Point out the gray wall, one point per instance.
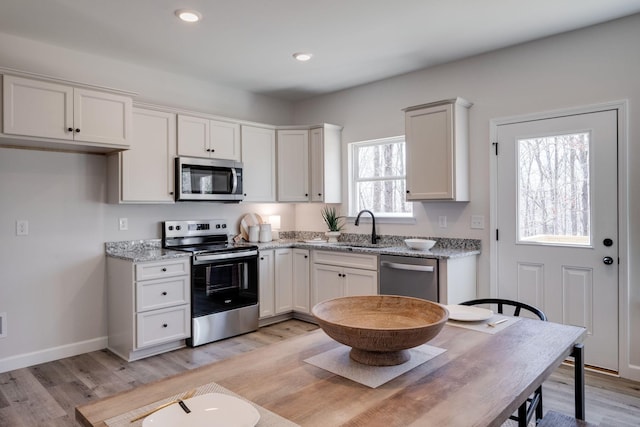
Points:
(590, 66)
(52, 282)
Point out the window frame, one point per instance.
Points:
(353, 173)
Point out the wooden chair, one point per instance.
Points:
(533, 405)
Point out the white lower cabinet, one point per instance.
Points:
(301, 284)
(337, 274)
(276, 281)
(148, 306)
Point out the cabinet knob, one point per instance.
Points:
(164, 268)
(164, 325)
(306, 194)
(320, 194)
(306, 256)
(164, 293)
(70, 129)
(261, 258)
(77, 130)
(171, 193)
(245, 194)
(408, 192)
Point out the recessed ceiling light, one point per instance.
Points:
(189, 15)
(302, 57)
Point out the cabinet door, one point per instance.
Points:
(147, 168)
(259, 161)
(316, 149)
(327, 282)
(283, 280)
(36, 108)
(101, 117)
(437, 150)
(293, 165)
(429, 153)
(301, 297)
(266, 287)
(360, 282)
(193, 136)
(224, 141)
(325, 164)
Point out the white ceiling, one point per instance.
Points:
(247, 44)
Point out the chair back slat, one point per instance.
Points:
(518, 306)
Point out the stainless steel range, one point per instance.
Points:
(224, 279)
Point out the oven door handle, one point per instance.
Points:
(221, 257)
(411, 267)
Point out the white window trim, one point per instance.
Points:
(352, 172)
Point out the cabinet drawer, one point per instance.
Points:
(160, 269)
(342, 259)
(164, 325)
(154, 294)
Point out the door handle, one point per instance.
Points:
(411, 267)
(607, 260)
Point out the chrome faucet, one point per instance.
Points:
(374, 238)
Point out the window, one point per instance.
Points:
(377, 178)
(554, 195)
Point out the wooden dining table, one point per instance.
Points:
(479, 380)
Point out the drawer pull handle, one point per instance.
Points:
(164, 268)
(164, 293)
(164, 325)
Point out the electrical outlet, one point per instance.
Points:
(477, 222)
(22, 227)
(442, 221)
(3, 325)
(123, 224)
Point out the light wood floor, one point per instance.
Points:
(47, 394)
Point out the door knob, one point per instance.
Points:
(607, 260)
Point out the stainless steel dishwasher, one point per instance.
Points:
(408, 276)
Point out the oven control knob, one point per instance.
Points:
(217, 225)
(224, 225)
(178, 227)
(171, 228)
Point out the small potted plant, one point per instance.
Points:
(334, 223)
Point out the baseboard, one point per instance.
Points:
(50, 354)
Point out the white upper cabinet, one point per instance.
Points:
(79, 116)
(259, 164)
(325, 164)
(203, 137)
(293, 165)
(145, 173)
(437, 151)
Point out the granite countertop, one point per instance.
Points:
(142, 250)
(152, 250)
(380, 249)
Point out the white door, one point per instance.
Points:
(557, 241)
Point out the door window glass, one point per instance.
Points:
(554, 194)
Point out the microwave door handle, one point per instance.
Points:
(234, 186)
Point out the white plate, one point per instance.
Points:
(207, 410)
(467, 313)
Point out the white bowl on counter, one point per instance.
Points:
(420, 244)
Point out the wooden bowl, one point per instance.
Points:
(380, 328)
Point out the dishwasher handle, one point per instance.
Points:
(411, 267)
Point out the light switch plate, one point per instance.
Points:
(442, 221)
(477, 222)
(123, 224)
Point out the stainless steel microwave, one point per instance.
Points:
(208, 180)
